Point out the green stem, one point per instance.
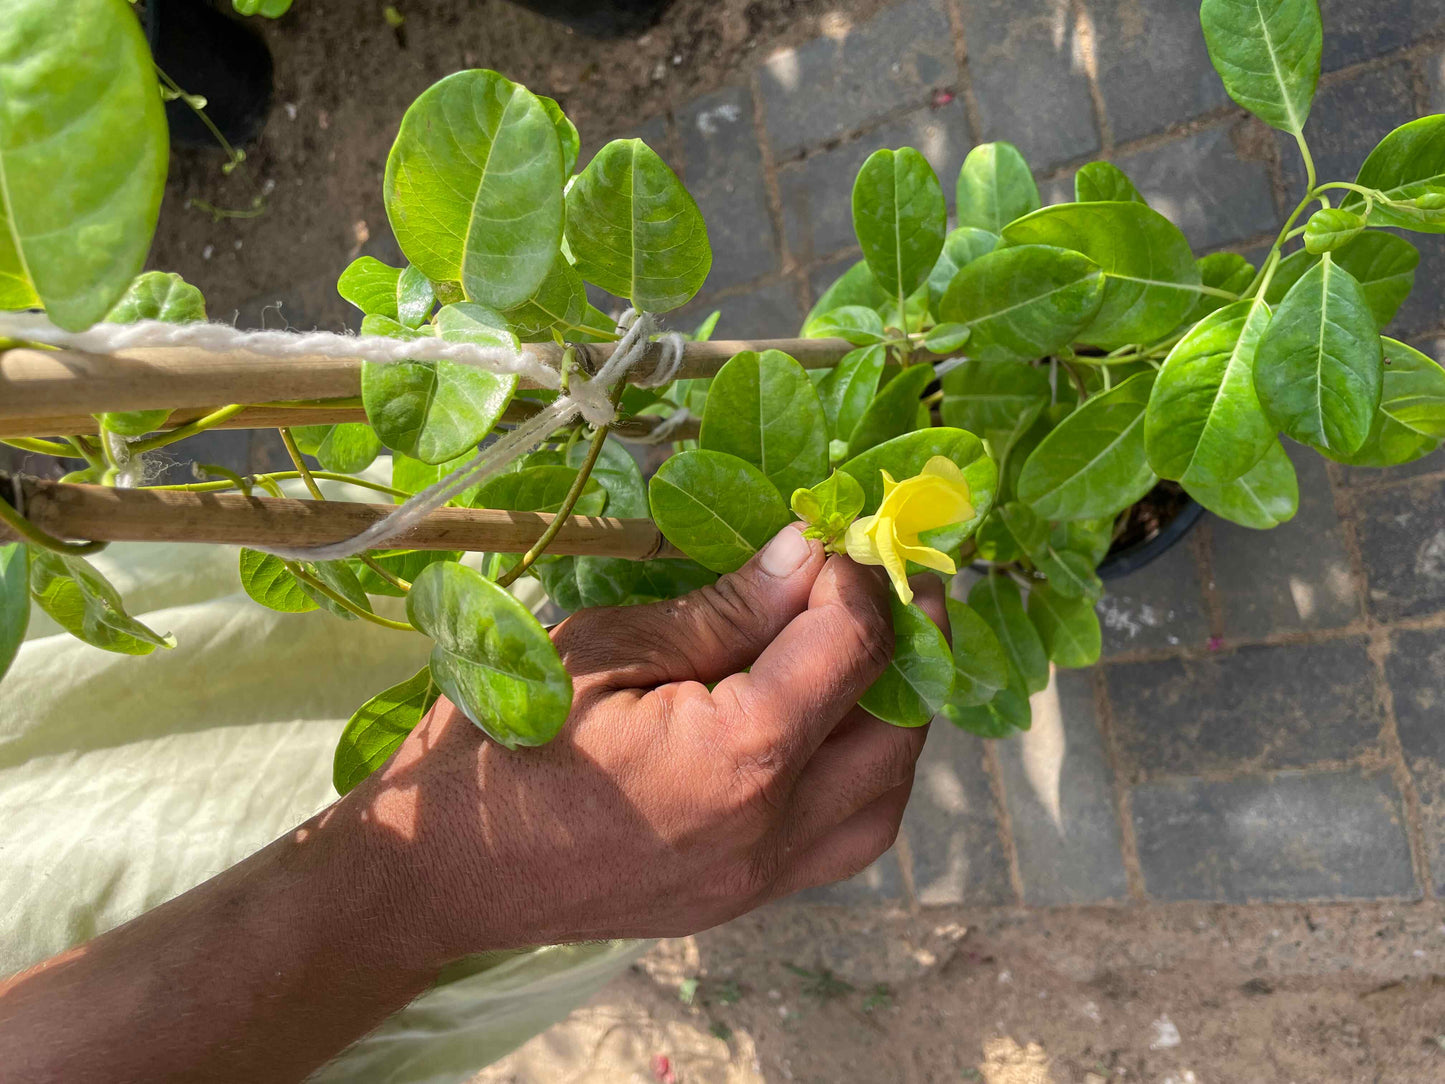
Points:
(225, 472)
(32, 534)
(234, 157)
(345, 603)
(190, 429)
(302, 471)
(1304, 150)
(1215, 292)
(610, 336)
(41, 447)
(286, 475)
(390, 577)
(1279, 240)
(1348, 186)
(573, 495)
(85, 451)
(313, 404)
(1271, 265)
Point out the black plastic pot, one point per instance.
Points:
(1120, 563)
(217, 56)
(601, 18)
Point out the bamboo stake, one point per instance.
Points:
(40, 387)
(101, 513)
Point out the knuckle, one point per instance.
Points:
(866, 635)
(731, 611)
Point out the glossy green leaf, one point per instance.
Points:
(1151, 276)
(567, 135)
(1070, 574)
(919, 677)
(348, 448)
(577, 583)
(1319, 368)
(473, 187)
(370, 285)
(764, 409)
(379, 727)
(268, 581)
(1090, 537)
(858, 325)
(1268, 54)
(996, 599)
(1003, 715)
(1265, 497)
(634, 230)
(1104, 182)
(856, 286)
(340, 577)
(960, 248)
(716, 508)
(947, 338)
(412, 475)
(980, 665)
(1407, 164)
(491, 658)
(14, 601)
(893, 411)
(415, 297)
(1220, 271)
(559, 303)
(1204, 422)
(1024, 302)
(1093, 464)
(1382, 263)
(846, 389)
(540, 489)
(1330, 227)
(85, 604)
(1411, 420)
(152, 295)
(617, 473)
(1068, 627)
(829, 507)
(899, 217)
(994, 399)
(995, 187)
(83, 155)
(435, 410)
(267, 9)
(405, 564)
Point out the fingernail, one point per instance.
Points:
(785, 554)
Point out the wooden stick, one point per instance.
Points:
(40, 387)
(153, 515)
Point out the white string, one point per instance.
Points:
(662, 432)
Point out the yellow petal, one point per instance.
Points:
(929, 501)
(859, 541)
(928, 557)
(885, 541)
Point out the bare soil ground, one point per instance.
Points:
(1178, 994)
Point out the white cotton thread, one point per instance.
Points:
(662, 432)
(947, 365)
(669, 361)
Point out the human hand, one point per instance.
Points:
(664, 807)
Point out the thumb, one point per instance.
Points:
(702, 636)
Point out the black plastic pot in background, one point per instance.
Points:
(1119, 563)
(217, 56)
(601, 18)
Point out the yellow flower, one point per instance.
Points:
(937, 497)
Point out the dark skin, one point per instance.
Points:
(662, 809)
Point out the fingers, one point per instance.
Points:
(703, 636)
(813, 673)
(850, 847)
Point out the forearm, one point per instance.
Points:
(262, 973)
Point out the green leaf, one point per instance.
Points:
(856, 286)
(996, 599)
(379, 727)
(82, 602)
(406, 564)
(1382, 263)
(1070, 574)
(1411, 420)
(960, 248)
(412, 475)
(158, 295)
(1104, 182)
(1220, 271)
(995, 187)
(371, 286)
(1093, 463)
(858, 325)
(1068, 627)
(1407, 164)
(716, 508)
(83, 155)
(1318, 369)
(829, 507)
(1024, 302)
(1265, 497)
(617, 473)
(1090, 537)
(340, 577)
(893, 411)
(1151, 277)
(576, 583)
(435, 410)
(899, 217)
(1000, 717)
(267, 9)
(764, 409)
(491, 658)
(14, 601)
(1204, 422)
(559, 303)
(846, 389)
(947, 338)
(566, 134)
(905, 457)
(473, 187)
(634, 229)
(348, 448)
(540, 489)
(1331, 227)
(919, 677)
(268, 581)
(415, 297)
(980, 666)
(1268, 54)
(995, 399)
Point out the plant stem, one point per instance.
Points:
(190, 429)
(225, 472)
(302, 471)
(1078, 381)
(345, 603)
(390, 577)
(32, 534)
(573, 495)
(282, 476)
(85, 451)
(1254, 287)
(41, 447)
(1304, 150)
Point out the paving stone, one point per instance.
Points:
(1060, 796)
(1416, 672)
(1430, 464)
(769, 311)
(1159, 606)
(1357, 30)
(1207, 186)
(1402, 536)
(1424, 310)
(835, 85)
(1153, 67)
(652, 131)
(1026, 68)
(825, 274)
(1435, 80)
(1346, 120)
(952, 825)
(817, 192)
(1294, 577)
(879, 883)
(1296, 836)
(723, 168)
(1257, 709)
(1058, 190)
